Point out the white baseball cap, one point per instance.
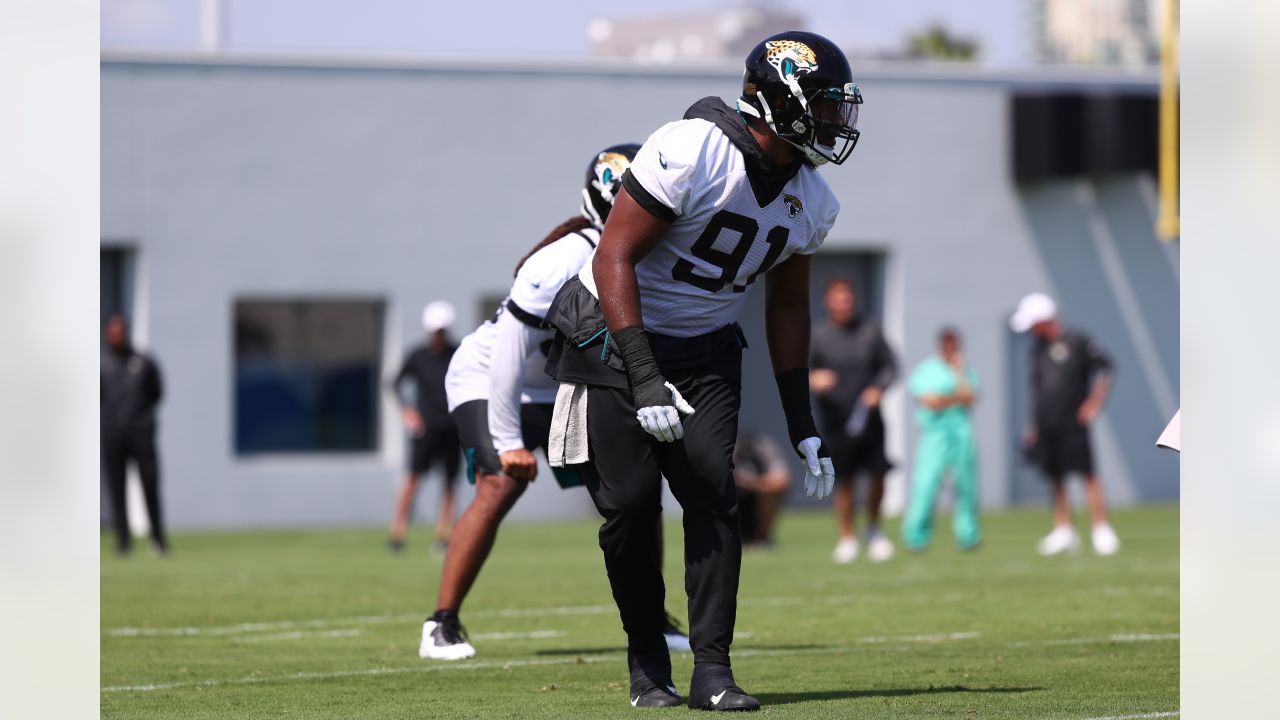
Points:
(1032, 309)
(437, 315)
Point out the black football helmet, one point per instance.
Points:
(604, 177)
(800, 84)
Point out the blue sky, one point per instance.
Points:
(546, 28)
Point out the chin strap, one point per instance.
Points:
(589, 209)
(814, 157)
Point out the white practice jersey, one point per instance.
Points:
(504, 360)
(722, 239)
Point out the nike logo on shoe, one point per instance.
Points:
(635, 700)
(715, 699)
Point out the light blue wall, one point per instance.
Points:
(414, 181)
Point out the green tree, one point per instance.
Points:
(936, 42)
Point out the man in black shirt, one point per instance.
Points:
(851, 365)
(1070, 380)
(130, 391)
(435, 437)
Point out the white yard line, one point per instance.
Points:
(425, 667)
(301, 635)
(1117, 638)
(545, 612)
(356, 620)
(560, 611)
(934, 638)
(243, 628)
(1144, 715)
(531, 635)
(589, 659)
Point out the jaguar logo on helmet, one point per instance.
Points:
(790, 58)
(794, 206)
(609, 168)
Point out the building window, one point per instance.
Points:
(116, 271)
(306, 375)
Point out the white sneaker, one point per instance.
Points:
(1064, 538)
(1105, 540)
(879, 548)
(677, 640)
(846, 551)
(444, 640)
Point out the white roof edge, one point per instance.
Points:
(864, 70)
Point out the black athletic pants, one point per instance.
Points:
(627, 490)
(118, 447)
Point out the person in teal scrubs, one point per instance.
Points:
(946, 389)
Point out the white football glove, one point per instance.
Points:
(819, 473)
(663, 421)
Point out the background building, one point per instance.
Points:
(1096, 32)
(274, 226)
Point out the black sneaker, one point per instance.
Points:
(712, 688)
(646, 694)
(651, 685)
(444, 638)
(396, 546)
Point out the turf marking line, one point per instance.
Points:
(936, 637)
(301, 634)
(530, 635)
(1116, 638)
(357, 620)
(258, 627)
(1144, 715)
(437, 667)
(254, 680)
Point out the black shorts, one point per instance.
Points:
(440, 447)
(472, 419)
(861, 454)
(1059, 452)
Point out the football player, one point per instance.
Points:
(501, 399)
(711, 204)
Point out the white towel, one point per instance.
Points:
(568, 442)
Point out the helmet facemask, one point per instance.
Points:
(822, 122)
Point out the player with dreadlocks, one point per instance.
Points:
(501, 399)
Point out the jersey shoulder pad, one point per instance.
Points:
(670, 164)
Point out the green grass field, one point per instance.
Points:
(325, 624)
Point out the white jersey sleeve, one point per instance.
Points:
(671, 165)
(515, 361)
(513, 344)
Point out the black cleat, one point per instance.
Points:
(651, 685)
(712, 688)
(645, 694)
